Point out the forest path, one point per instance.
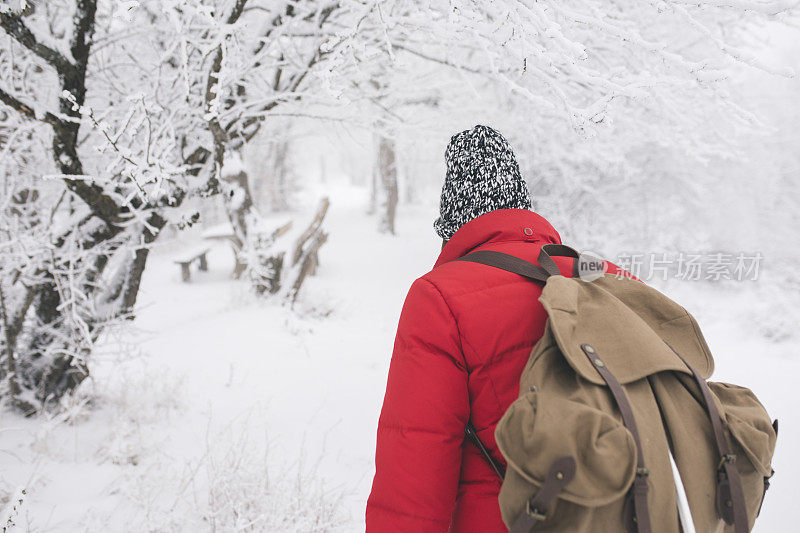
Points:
(312, 379)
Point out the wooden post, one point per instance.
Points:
(307, 264)
(239, 214)
(312, 229)
(186, 275)
(306, 251)
(203, 262)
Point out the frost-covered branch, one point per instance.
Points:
(15, 27)
(28, 111)
(11, 511)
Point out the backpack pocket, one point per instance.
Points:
(753, 440)
(539, 428)
(748, 423)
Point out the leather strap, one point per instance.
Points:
(508, 263)
(561, 472)
(730, 495)
(517, 266)
(472, 435)
(638, 515)
(549, 251)
(546, 267)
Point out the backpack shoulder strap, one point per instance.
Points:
(508, 263)
(530, 271)
(558, 250)
(546, 267)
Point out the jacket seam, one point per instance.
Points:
(537, 237)
(521, 280)
(383, 507)
(461, 341)
(493, 241)
(486, 243)
(455, 322)
(412, 429)
(502, 353)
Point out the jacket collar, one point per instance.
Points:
(501, 225)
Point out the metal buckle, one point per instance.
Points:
(727, 458)
(535, 513)
(642, 471)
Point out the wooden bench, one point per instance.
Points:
(188, 258)
(224, 233)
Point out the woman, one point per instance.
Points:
(465, 334)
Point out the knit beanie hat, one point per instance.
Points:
(482, 175)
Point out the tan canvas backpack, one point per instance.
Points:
(613, 396)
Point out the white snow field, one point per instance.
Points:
(217, 411)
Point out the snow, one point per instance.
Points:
(217, 410)
(233, 165)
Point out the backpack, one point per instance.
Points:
(616, 427)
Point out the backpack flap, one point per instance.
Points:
(539, 428)
(631, 324)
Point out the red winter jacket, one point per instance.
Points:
(465, 334)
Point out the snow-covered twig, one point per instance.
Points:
(11, 511)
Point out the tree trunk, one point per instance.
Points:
(239, 204)
(8, 375)
(267, 275)
(387, 168)
(373, 179)
(373, 188)
(280, 186)
(409, 183)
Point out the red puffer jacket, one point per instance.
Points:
(465, 334)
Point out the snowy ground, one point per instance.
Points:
(220, 412)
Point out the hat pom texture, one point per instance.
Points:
(482, 176)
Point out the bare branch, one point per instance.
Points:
(236, 12)
(27, 111)
(427, 57)
(84, 28)
(239, 133)
(14, 26)
(212, 85)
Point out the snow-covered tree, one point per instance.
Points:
(147, 104)
(75, 246)
(622, 113)
(115, 113)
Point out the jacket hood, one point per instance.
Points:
(501, 225)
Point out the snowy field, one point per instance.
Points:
(217, 411)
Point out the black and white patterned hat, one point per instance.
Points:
(482, 175)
